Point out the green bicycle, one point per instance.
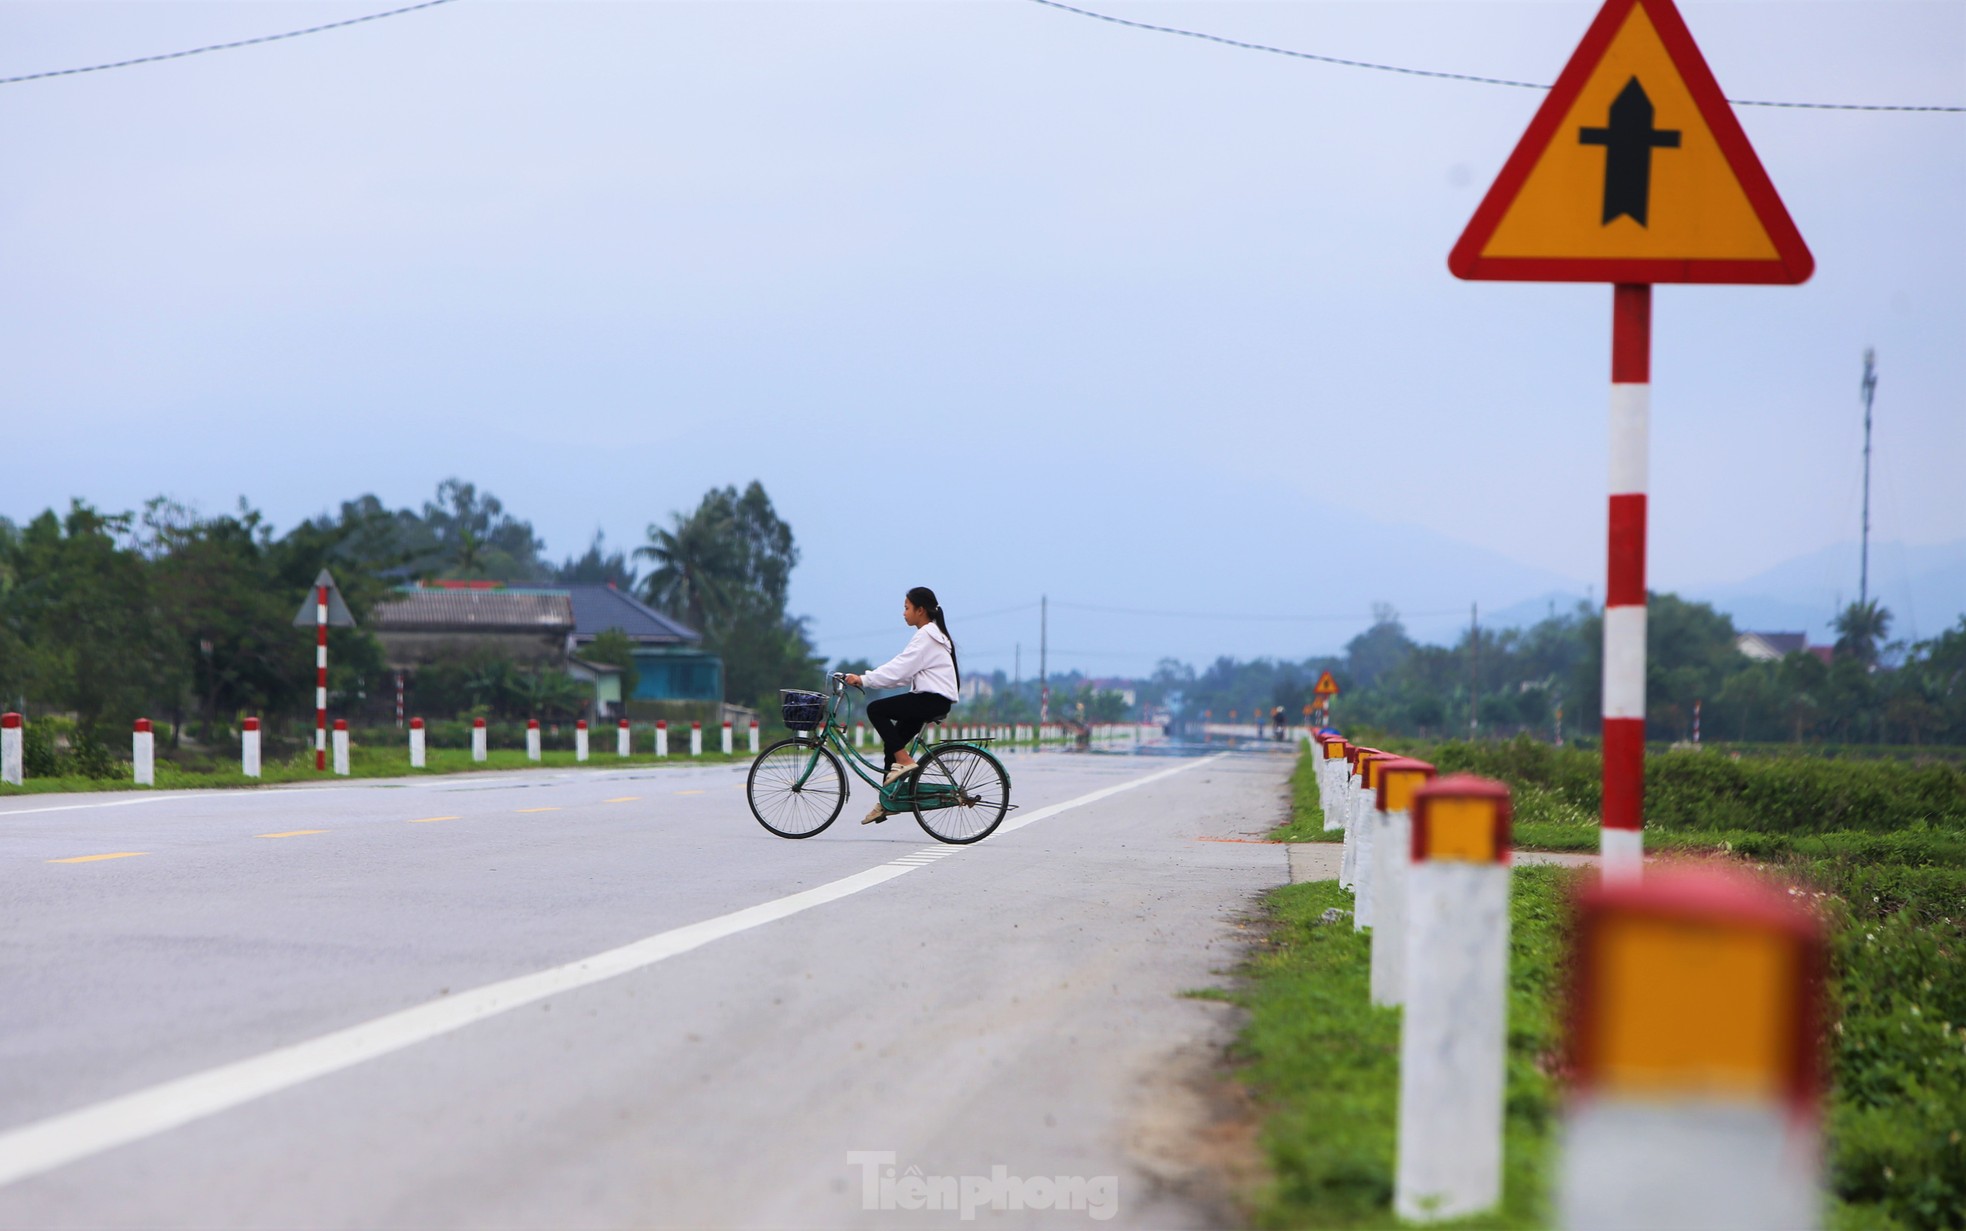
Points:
(958, 792)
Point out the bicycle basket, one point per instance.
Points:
(803, 710)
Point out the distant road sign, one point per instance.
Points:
(1326, 686)
(338, 614)
(1634, 170)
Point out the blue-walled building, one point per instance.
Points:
(669, 658)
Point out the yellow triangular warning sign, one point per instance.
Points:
(1634, 170)
(1326, 686)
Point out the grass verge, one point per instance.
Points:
(1324, 1063)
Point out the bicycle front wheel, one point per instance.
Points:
(796, 788)
(961, 794)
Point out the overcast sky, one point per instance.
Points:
(989, 296)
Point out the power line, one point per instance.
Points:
(1445, 76)
(244, 42)
(1243, 616)
(960, 617)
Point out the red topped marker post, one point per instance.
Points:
(1634, 171)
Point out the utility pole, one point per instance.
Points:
(1474, 670)
(1870, 391)
(1017, 665)
(1044, 674)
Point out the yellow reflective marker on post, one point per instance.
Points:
(1695, 1046)
(1461, 818)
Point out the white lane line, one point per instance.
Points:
(47, 1144)
(1040, 814)
(112, 803)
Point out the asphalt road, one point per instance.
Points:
(611, 999)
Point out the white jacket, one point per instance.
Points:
(926, 664)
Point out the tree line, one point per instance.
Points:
(171, 613)
(1502, 682)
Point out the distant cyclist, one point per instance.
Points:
(927, 666)
(1276, 720)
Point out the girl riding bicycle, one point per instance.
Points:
(927, 665)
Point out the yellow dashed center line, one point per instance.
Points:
(424, 820)
(691, 792)
(95, 858)
(291, 833)
(539, 809)
(622, 799)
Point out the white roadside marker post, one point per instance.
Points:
(1348, 792)
(754, 736)
(662, 737)
(143, 754)
(1697, 1009)
(1365, 900)
(417, 750)
(532, 739)
(1454, 1032)
(341, 746)
(10, 748)
(249, 747)
(859, 735)
(727, 746)
(580, 740)
(478, 749)
(1330, 775)
(695, 737)
(623, 739)
(1392, 855)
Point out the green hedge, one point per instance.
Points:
(1711, 791)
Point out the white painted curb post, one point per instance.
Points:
(417, 751)
(341, 746)
(662, 737)
(859, 735)
(1348, 813)
(249, 747)
(754, 735)
(727, 744)
(1697, 1009)
(580, 740)
(1392, 854)
(10, 749)
(478, 750)
(143, 754)
(1454, 1032)
(623, 739)
(1365, 831)
(532, 739)
(695, 737)
(1334, 778)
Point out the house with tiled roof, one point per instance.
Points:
(434, 621)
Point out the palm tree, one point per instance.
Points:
(693, 565)
(1860, 629)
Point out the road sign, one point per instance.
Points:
(1634, 170)
(1326, 686)
(338, 614)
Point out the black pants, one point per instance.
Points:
(901, 718)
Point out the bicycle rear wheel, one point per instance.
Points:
(782, 802)
(961, 794)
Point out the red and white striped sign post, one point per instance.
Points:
(322, 607)
(1622, 838)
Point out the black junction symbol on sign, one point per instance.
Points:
(1628, 142)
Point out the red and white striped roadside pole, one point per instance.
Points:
(622, 745)
(1621, 840)
(399, 700)
(321, 676)
(1696, 724)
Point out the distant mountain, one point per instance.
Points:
(1923, 586)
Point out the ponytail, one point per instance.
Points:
(924, 599)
